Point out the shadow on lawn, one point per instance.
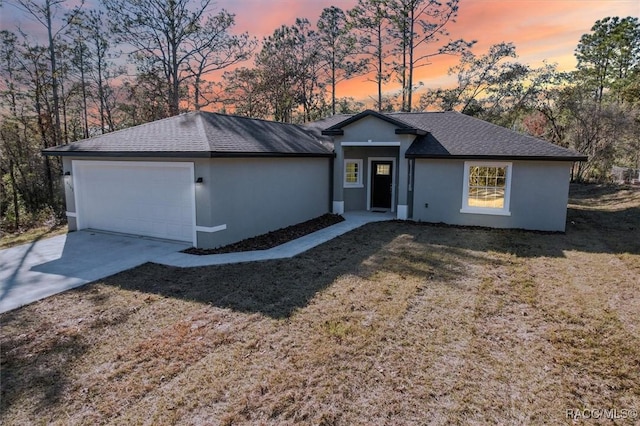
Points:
(37, 358)
(604, 231)
(36, 367)
(589, 194)
(278, 288)
(274, 288)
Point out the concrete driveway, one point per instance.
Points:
(37, 270)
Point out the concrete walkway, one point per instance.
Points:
(33, 271)
(293, 248)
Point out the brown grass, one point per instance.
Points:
(394, 323)
(34, 234)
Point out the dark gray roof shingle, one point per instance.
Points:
(455, 135)
(206, 134)
(452, 134)
(201, 134)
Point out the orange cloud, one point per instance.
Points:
(542, 30)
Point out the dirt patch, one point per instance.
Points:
(392, 323)
(273, 238)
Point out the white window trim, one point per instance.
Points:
(370, 143)
(359, 183)
(505, 210)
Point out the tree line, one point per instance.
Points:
(130, 62)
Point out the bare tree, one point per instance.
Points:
(45, 13)
(337, 48)
(26, 127)
(91, 52)
(244, 93)
(213, 49)
(417, 24)
(178, 39)
(370, 18)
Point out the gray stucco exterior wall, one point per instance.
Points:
(539, 195)
(356, 198)
(376, 139)
(243, 197)
(370, 128)
(252, 196)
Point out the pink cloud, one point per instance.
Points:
(541, 29)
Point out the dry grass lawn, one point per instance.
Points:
(392, 324)
(34, 234)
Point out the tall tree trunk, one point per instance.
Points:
(175, 88)
(84, 94)
(409, 106)
(102, 103)
(403, 78)
(196, 93)
(380, 67)
(333, 81)
(65, 133)
(43, 136)
(175, 68)
(54, 77)
(14, 194)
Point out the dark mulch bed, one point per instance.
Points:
(273, 238)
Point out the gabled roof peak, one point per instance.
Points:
(402, 126)
(451, 134)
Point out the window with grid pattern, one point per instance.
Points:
(486, 188)
(383, 169)
(352, 173)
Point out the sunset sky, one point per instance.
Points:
(541, 29)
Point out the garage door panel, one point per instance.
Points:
(142, 198)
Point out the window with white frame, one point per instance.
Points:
(353, 173)
(487, 188)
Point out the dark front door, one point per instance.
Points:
(381, 183)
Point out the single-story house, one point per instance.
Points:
(208, 179)
(213, 179)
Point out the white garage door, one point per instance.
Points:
(134, 197)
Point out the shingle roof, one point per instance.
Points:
(206, 134)
(452, 134)
(201, 134)
(455, 135)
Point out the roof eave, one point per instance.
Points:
(270, 154)
(334, 132)
(499, 157)
(413, 131)
(163, 154)
(182, 154)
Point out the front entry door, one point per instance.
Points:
(381, 184)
